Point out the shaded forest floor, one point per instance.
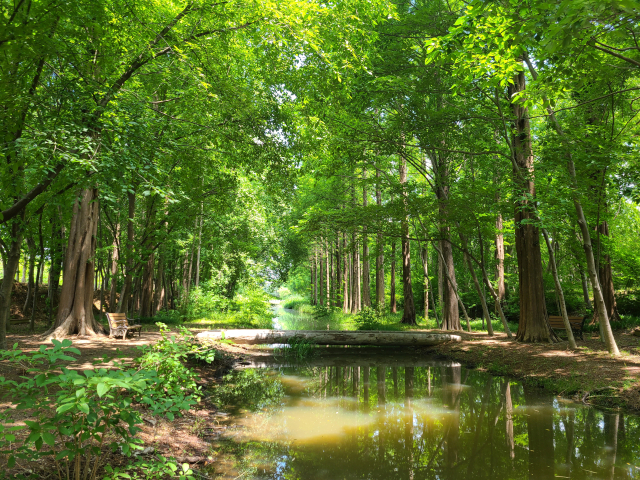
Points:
(588, 374)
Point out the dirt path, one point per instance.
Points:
(589, 372)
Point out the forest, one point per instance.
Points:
(462, 167)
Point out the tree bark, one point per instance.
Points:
(380, 251)
(327, 274)
(500, 261)
(585, 287)
(483, 300)
(32, 262)
(123, 306)
(160, 295)
(114, 270)
(393, 306)
(345, 274)
(75, 311)
(450, 312)
(606, 278)
(146, 296)
(425, 269)
(409, 310)
(366, 274)
(6, 288)
(533, 324)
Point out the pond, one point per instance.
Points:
(376, 413)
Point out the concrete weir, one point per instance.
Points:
(328, 337)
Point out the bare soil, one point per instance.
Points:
(589, 373)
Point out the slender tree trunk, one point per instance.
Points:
(315, 275)
(511, 445)
(479, 291)
(380, 251)
(366, 274)
(321, 279)
(6, 288)
(146, 295)
(345, 274)
(392, 288)
(57, 255)
(199, 244)
(75, 311)
(585, 287)
(123, 306)
(500, 260)
(409, 311)
(327, 274)
(338, 272)
(114, 270)
(533, 325)
(355, 269)
(160, 295)
(425, 269)
(559, 293)
(32, 262)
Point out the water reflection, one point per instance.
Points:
(426, 422)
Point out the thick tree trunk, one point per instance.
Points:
(123, 306)
(392, 288)
(606, 279)
(6, 288)
(450, 311)
(499, 261)
(146, 295)
(559, 292)
(533, 325)
(75, 312)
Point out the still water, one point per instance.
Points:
(387, 414)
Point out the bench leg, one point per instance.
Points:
(124, 335)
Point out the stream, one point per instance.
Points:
(388, 413)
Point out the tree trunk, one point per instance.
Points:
(606, 278)
(508, 408)
(345, 275)
(199, 245)
(366, 274)
(533, 325)
(114, 271)
(32, 262)
(425, 268)
(483, 300)
(559, 293)
(409, 311)
(159, 297)
(585, 287)
(450, 312)
(321, 279)
(392, 287)
(314, 300)
(380, 252)
(355, 281)
(75, 312)
(499, 261)
(338, 273)
(146, 296)
(6, 288)
(123, 306)
(327, 274)
(57, 256)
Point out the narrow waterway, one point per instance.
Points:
(374, 413)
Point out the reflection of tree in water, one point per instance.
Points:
(451, 423)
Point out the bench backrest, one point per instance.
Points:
(117, 320)
(557, 321)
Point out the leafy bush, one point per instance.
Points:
(370, 319)
(294, 302)
(168, 357)
(251, 308)
(91, 407)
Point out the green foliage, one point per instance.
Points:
(168, 357)
(91, 406)
(150, 470)
(370, 319)
(294, 302)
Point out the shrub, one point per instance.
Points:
(370, 319)
(90, 406)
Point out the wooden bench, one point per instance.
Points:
(577, 324)
(119, 325)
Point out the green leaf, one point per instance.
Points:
(102, 389)
(49, 439)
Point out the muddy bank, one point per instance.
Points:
(587, 374)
